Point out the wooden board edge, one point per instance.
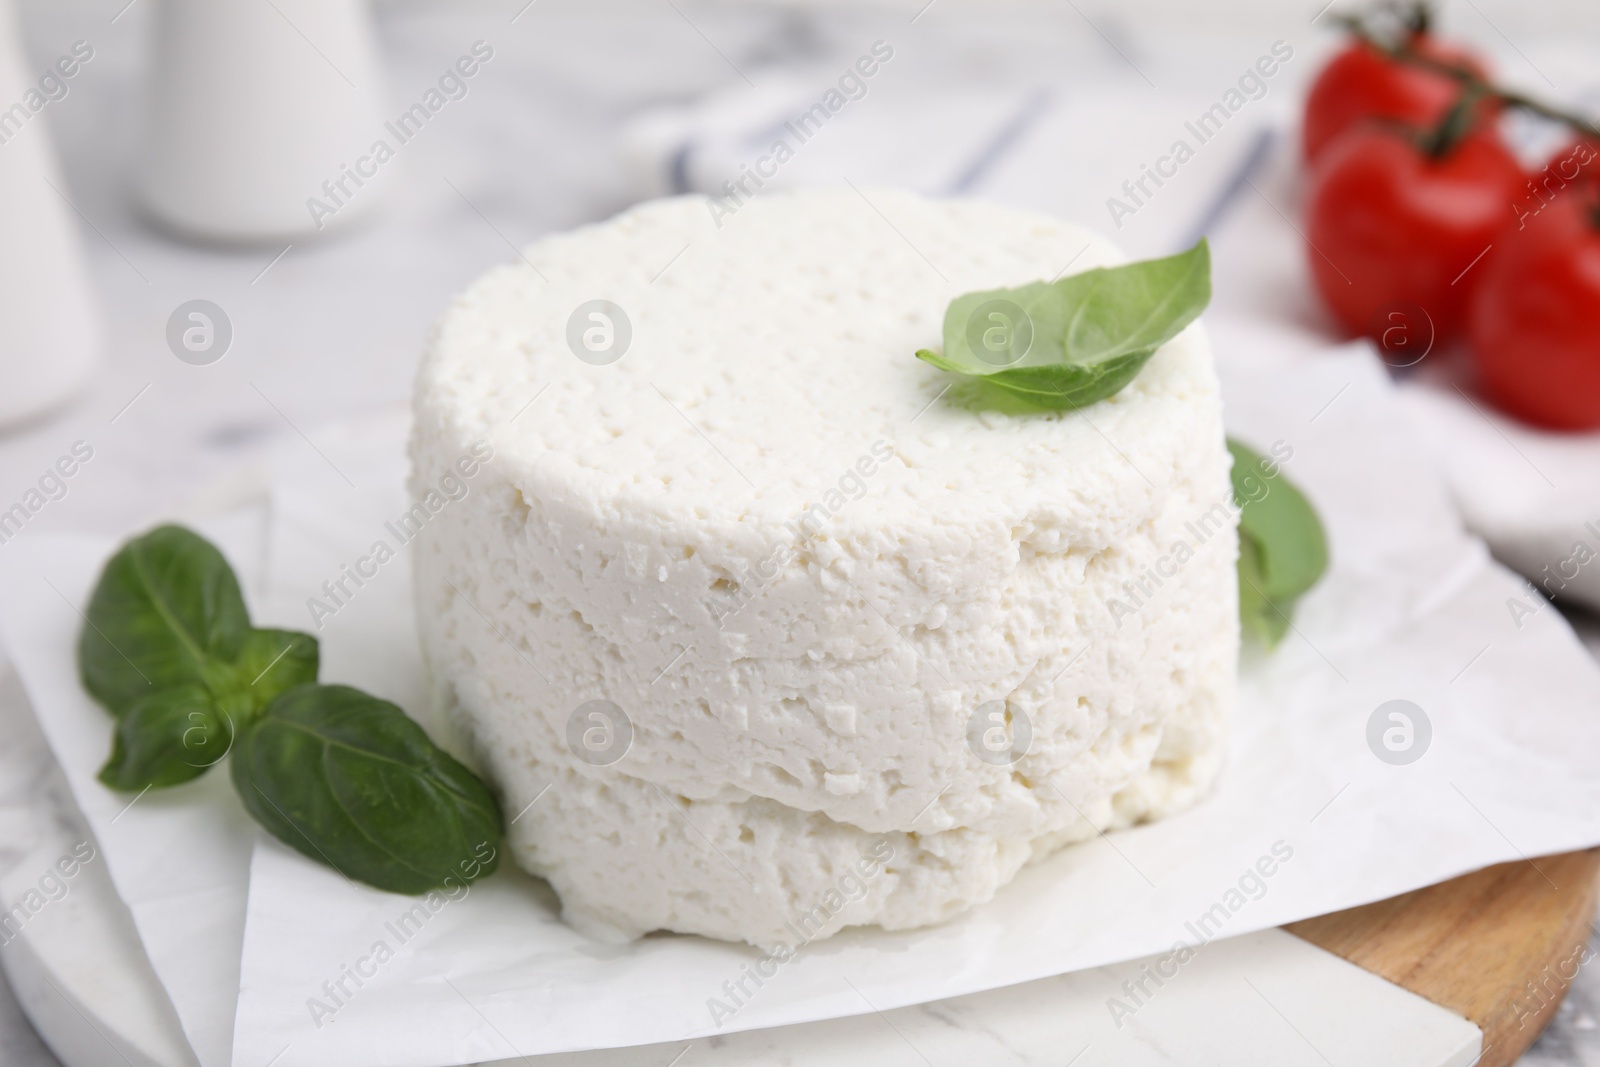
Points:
(1499, 946)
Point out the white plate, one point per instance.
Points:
(75, 965)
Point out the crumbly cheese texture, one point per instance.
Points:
(798, 560)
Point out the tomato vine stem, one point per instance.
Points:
(1402, 51)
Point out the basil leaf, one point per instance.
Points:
(166, 739)
(1257, 614)
(272, 661)
(1282, 548)
(1063, 387)
(1069, 343)
(166, 612)
(350, 781)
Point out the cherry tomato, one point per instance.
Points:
(1392, 225)
(1362, 83)
(1570, 169)
(1533, 323)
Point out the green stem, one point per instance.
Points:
(1459, 121)
(1404, 53)
(1419, 17)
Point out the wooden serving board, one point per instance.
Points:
(1498, 946)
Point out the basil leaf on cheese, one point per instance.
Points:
(350, 781)
(1283, 551)
(1069, 343)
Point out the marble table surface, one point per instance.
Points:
(332, 329)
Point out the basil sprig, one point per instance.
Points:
(1069, 343)
(1282, 549)
(347, 779)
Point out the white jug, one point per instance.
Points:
(49, 330)
(257, 110)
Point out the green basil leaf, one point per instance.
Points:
(272, 661)
(1282, 548)
(1069, 343)
(350, 781)
(167, 739)
(1257, 614)
(1277, 516)
(166, 612)
(1063, 387)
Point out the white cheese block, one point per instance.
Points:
(823, 592)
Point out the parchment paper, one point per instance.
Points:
(1412, 609)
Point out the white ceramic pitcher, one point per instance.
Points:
(49, 331)
(253, 106)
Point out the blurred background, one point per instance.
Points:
(204, 251)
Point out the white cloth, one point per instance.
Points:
(1053, 146)
(1534, 496)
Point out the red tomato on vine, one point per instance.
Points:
(1399, 220)
(1535, 325)
(1362, 83)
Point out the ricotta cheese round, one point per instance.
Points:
(762, 626)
